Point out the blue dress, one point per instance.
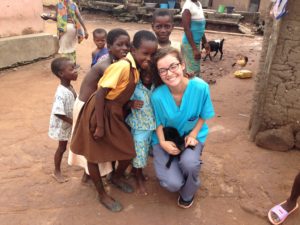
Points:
(142, 123)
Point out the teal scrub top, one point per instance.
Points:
(196, 103)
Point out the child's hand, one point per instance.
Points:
(170, 147)
(99, 132)
(86, 34)
(45, 16)
(190, 141)
(137, 104)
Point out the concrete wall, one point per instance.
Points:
(20, 17)
(240, 5)
(26, 48)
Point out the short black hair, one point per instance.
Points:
(143, 35)
(99, 31)
(57, 65)
(162, 12)
(114, 34)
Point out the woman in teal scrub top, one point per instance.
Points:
(184, 104)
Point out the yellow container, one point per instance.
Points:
(243, 74)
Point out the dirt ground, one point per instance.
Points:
(240, 181)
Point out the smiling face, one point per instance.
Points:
(143, 54)
(162, 27)
(99, 40)
(69, 71)
(120, 47)
(170, 70)
(147, 78)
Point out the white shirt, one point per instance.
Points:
(63, 105)
(195, 10)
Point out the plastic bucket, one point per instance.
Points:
(229, 9)
(221, 9)
(163, 6)
(171, 4)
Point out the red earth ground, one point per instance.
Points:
(240, 181)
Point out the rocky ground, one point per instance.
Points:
(240, 181)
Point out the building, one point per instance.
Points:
(21, 33)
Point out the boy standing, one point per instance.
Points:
(162, 25)
(61, 115)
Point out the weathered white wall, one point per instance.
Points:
(49, 2)
(20, 17)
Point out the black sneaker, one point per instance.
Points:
(185, 204)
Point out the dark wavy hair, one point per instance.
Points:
(161, 53)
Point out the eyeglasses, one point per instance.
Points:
(164, 71)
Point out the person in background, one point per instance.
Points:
(99, 38)
(162, 25)
(193, 22)
(70, 27)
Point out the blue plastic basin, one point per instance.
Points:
(163, 6)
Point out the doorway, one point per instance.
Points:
(254, 5)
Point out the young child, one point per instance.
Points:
(99, 37)
(61, 115)
(162, 25)
(118, 43)
(142, 123)
(101, 134)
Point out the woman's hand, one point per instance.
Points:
(207, 48)
(99, 132)
(190, 141)
(197, 54)
(170, 147)
(86, 34)
(137, 104)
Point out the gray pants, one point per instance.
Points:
(183, 175)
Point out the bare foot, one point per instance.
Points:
(141, 187)
(122, 185)
(133, 173)
(86, 179)
(145, 177)
(59, 177)
(110, 203)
